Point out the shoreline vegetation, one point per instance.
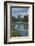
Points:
(21, 22)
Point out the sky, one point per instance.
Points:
(22, 11)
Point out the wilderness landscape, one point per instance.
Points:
(19, 22)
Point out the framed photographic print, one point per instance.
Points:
(18, 22)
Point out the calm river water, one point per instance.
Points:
(22, 28)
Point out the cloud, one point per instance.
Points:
(16, 11)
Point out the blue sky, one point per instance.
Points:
(16, 11)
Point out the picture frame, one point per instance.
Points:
(18, 22)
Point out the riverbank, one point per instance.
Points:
(22, 22)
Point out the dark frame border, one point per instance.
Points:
(5, 22)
